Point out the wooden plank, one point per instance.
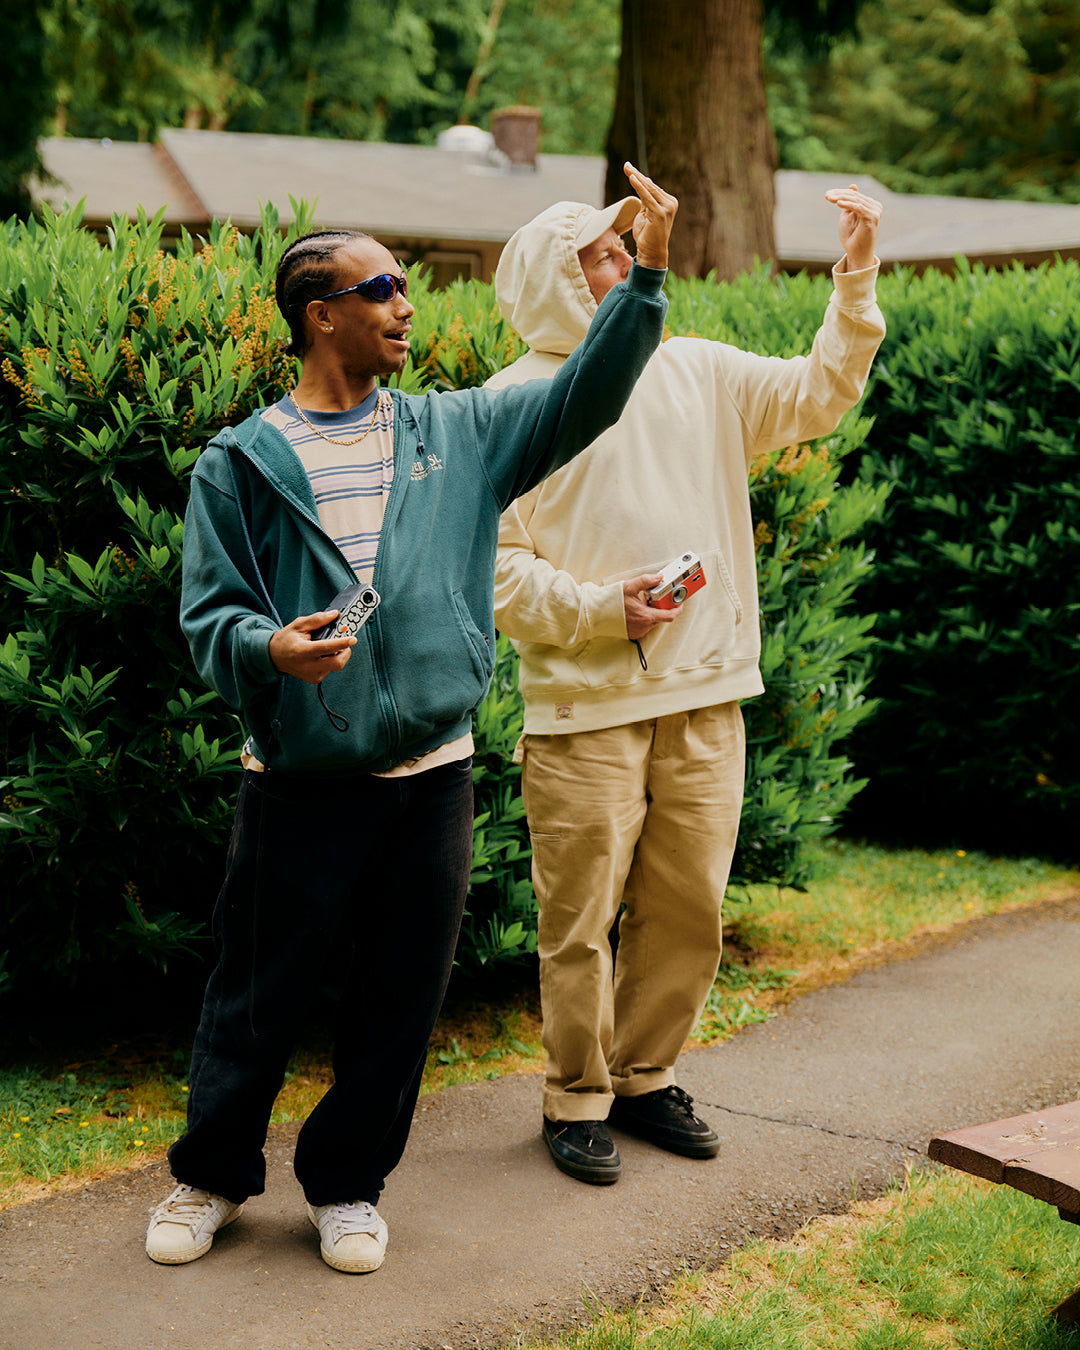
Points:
(1053, 1175)
(987, 1150)
(966, 1157)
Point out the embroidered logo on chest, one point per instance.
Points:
(564, 712)
(422, 467)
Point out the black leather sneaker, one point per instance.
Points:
(583, 1149)
(664, 1118)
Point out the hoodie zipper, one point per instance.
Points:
(402, 475)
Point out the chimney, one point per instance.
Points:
(517, 135)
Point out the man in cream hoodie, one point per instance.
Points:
(633, 749)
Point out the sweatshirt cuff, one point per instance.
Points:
(608, 616)
(255, 652)
(646, 280)
(854, 290)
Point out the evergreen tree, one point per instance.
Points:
(960, 97)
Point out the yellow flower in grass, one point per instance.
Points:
(139, 1143)
(961, 852)
(17, 1134)
(24, 1119)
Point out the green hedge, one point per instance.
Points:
(977, 402)
(117, 363)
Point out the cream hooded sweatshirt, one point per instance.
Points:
(669, 476)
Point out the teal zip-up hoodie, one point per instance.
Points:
(256, 558)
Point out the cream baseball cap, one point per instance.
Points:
(591, 222)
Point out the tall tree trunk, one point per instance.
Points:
(690, 112)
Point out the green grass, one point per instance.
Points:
(63, 1126)
(944, 1262)
(737, 1000)
(865, 898)
(75, 1125)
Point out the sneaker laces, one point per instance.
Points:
(680, 1099)
(186, 1205)
(353, 1217)
(593, 1135)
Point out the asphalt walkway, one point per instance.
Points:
(826, 1101)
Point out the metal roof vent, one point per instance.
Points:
(466, 140)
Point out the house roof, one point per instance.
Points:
(415, 190)
(116, 176)
(438, 197)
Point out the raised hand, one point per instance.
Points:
(860, 216)
(652, 227)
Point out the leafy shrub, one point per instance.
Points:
(460, 338)
(977, 400)
(813, 655)
(974, 399)
(500, 921)
(118, 362)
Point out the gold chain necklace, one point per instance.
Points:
(380, 404)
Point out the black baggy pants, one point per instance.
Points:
(355, 884)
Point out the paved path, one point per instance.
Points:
(487, 1238)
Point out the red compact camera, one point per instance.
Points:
(679, 580)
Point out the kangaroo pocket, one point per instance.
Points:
(445, 673)
(475, 642)
(707, 632)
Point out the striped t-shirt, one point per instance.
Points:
(351, 482)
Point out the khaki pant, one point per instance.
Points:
(644, 815)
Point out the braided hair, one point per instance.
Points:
(307, 270)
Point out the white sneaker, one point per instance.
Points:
(352, 1236)
(183, 1226)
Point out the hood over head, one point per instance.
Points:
(539, 284)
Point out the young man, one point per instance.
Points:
(350, 854)
(633, 752)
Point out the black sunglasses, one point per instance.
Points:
(383, 287)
